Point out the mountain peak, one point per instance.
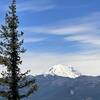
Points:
(64, 71)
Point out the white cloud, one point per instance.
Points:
(35, 6)
(83, 30)
(63, 30)
(31, 5)
(88, 24)
(32, 40)
(88, 39)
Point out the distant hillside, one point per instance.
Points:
(61, 88)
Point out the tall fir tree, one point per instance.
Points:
(10, 50)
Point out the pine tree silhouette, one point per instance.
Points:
(10, 50)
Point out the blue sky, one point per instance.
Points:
(59, 31)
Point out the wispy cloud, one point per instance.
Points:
(35, 6)
(82, 30)
(88, 39)
(33, 40)
(77, 25)
(56, 30)
(83, 33)
(31, 6)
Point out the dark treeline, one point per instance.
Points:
(10, 50)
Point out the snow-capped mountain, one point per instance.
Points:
(63, 88)
(64, 71)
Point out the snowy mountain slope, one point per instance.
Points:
(64, 71)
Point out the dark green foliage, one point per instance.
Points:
(10, 50)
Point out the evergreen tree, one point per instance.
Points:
(10, 50)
